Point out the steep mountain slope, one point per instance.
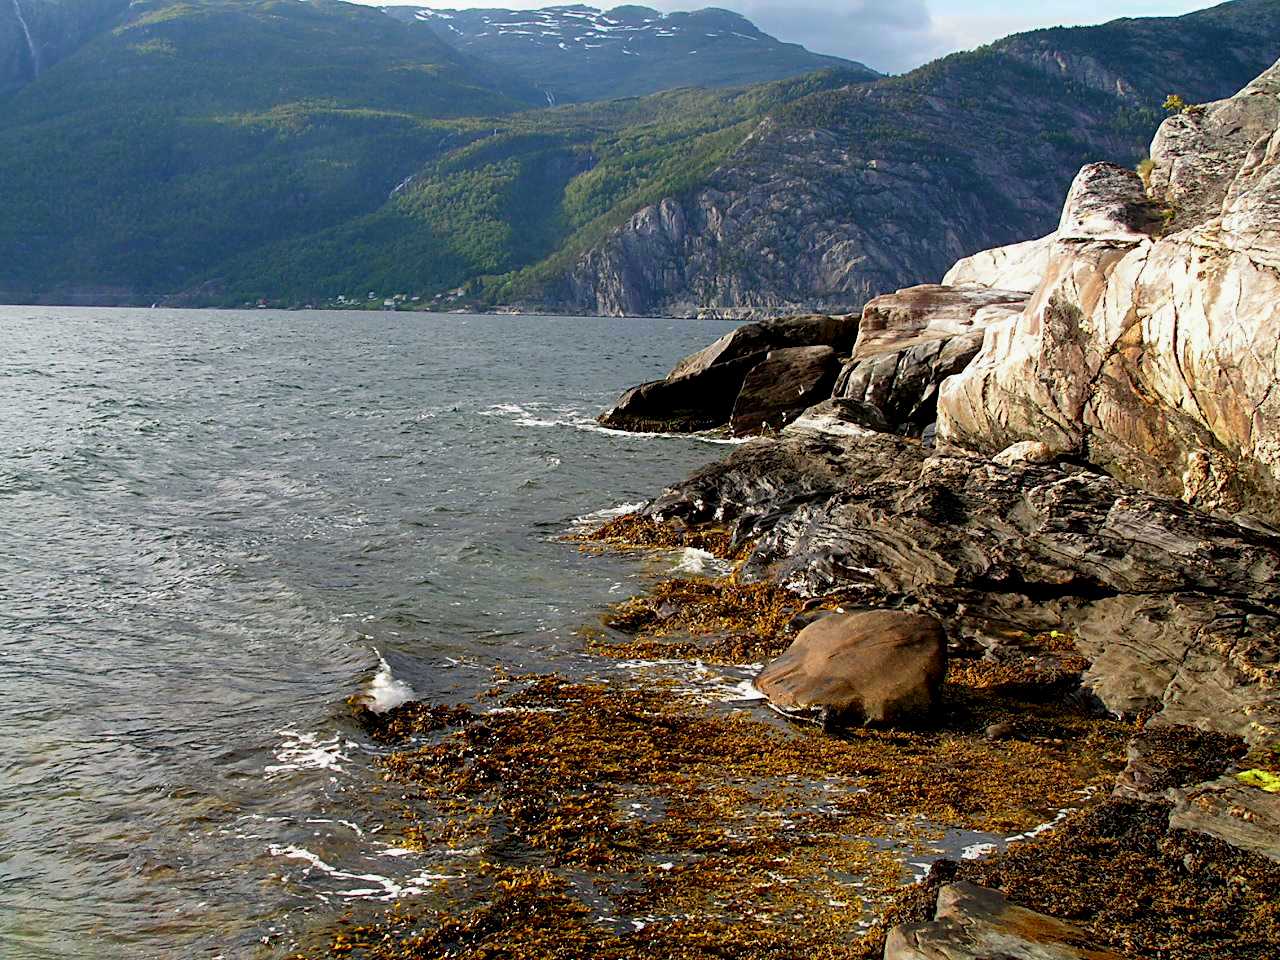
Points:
(521, 190)
(857, 191)
(37, 34)
(196, 130)
(578, 53)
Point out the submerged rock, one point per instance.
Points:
(882, 667)
(974, 923)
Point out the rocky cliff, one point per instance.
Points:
(856, 192)
(1149, 347)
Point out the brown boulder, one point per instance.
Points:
(784, 385)
(877, 667)
(974, 923)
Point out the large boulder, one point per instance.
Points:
(782, 386)
(1154, 355)
(878, 667)
(974, 923)
(909, 342)
(701, 393)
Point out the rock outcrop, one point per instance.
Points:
(879, 668)
(761, 375)
(1154, 355)
(1233, 812)
(974, 923)
(781, 387)
(1095, 515)
(1019, 266)
(1177, 612)
(909, 342)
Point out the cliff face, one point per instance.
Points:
(858, 191)
(1151, 350)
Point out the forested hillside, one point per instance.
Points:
(232, 151)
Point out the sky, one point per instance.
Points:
(892, 35)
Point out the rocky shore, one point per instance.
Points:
(1097, 458)
(1009, 542)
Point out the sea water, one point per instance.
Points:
(215, 529)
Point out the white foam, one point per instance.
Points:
(576, 420)
(695, 562)
(384, 889)
(385, 691)
(307, 751)
(605, 515)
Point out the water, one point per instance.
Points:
(215, 528)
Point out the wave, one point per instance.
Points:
(699, 563)
(577, 420)
(599, 517)
(386, 691)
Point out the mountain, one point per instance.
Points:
(522, 191)
(37, 34)
(578, 53)
(193, 131)
(861, 190)
(794, 196)
(227, 151)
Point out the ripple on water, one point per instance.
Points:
(194, 505)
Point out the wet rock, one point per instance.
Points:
(703, 389)
(881, 667)
(697, 401)
(839, 416)
(1236, 813)
(1165, 757)
(974, 923)
(1176, 611)
(1000, 731)
(781, 387)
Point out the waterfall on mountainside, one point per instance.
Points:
(31, 47)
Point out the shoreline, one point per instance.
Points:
(634, 821)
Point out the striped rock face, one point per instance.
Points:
(880, 668)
